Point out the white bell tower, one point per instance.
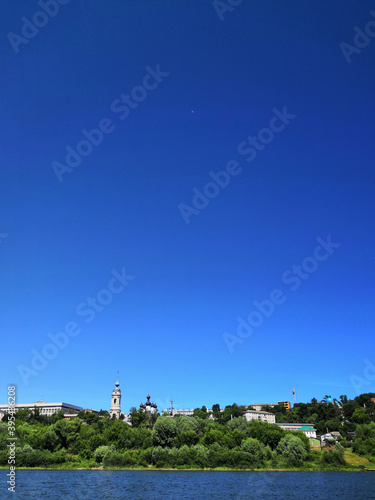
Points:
(116, 401)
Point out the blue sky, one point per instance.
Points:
(214, 83)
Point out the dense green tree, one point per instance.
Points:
(343, 399)
(360, 416)
(216, 411)
(188, 438)
(27, 449)
(23, 414)
(164, 431)
(255, 449)
(321, 427)
(184, 424)
(349, 408)
(239, 423)
(334, 457)
(364, 443)
(201, 412)
(365, 399)
(56, 417)
(91, 418)
(185, 455)
(67, 431)
(49, 441)
(200, 455)
(266, 433)
(333, 424)
(95, 441)
(232, 411)
(234, 438)
(292, 449)
(302, 436)
(138, 418)
(116, 459)
(85, 452)
(141, 438)
(313, 418)
(35, 415)
(213, 436)
(159, 456)
(102, 451)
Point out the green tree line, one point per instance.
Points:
(227, 440)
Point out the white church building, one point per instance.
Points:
(116, 401)
(115, 409)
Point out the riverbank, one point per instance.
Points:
(182, 469)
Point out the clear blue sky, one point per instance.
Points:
(217, 84)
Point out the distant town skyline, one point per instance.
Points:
(163, 404)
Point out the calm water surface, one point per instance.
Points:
(190, 484)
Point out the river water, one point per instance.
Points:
(190, 485)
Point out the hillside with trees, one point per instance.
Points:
(327, 417)
(201, 442)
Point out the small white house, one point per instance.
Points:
(330, 436)
(326, 437)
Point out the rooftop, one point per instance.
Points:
(258, 411)
(294, 424)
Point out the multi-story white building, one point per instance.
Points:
(263, 416)
(175, 411)
(47, 409)
(259, 406)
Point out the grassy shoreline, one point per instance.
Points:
(353, 461)
(217, 469)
